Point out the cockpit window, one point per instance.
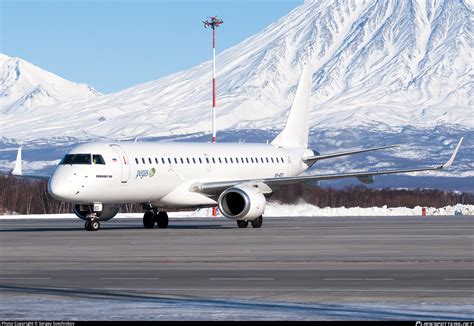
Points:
(98, 159)
(76, 159)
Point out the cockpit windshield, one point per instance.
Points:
(98, 159)
(76, 159)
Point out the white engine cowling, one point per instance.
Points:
(242, 203)
(108, 211)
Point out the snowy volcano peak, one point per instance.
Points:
(26, 86)
(383, 65)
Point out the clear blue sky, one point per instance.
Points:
(115, 44)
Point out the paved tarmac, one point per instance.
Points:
(310, 260)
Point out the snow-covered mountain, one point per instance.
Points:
(385, 72)
(25, 87)
(382, 64)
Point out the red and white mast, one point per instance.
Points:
(213, 22)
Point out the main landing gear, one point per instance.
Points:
(256, 223)
(160, 218)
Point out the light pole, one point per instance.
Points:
(213, 23)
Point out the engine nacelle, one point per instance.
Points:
(242, 203)
(108, 211)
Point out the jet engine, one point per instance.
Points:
(242, 203)
(108, 211)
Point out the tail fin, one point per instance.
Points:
(295, 133)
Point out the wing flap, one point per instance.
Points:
(18, 169)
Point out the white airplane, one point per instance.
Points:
(97, 177)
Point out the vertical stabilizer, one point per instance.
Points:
(295, 133)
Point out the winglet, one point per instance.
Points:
(17, 169)
(451, 160)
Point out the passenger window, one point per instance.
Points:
(277, 160)
(156, 160)
(247, 159)
(200, 161)
(187, 160)
(136, 160)
(182, 162)
(143, 160)
(261, 159)
(162, 160)
(175, 160)
(220, 161)
(282, 160)
(267, 159)
(98, 159)
(169, 160)
(231, 161)
(194, 160)
(214, 160)
(272, 160)
(149, 160)
(251, 159)
(207, 160)
(225, 160)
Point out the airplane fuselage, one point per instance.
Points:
(162, 173)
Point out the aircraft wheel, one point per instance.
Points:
(242, 224)
(87, 226)
(148, 220)
(94, 225)
(162, 220)
(257, 223)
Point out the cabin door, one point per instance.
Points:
(124, 163)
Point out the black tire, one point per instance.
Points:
(162, 220)
(148, 220)
(94, 225)
(87, 226)
(257, 223)
(242, 224)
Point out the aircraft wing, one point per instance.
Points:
(18, 171)
(313, 159)
(213, 189)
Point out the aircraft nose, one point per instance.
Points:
(59, 188)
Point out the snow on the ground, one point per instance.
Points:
(305, 209)
(162, 308)
(301, 209)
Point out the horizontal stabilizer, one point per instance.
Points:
(17, 170)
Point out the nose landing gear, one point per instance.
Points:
(92, 224)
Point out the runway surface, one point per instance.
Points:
(204, 268)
